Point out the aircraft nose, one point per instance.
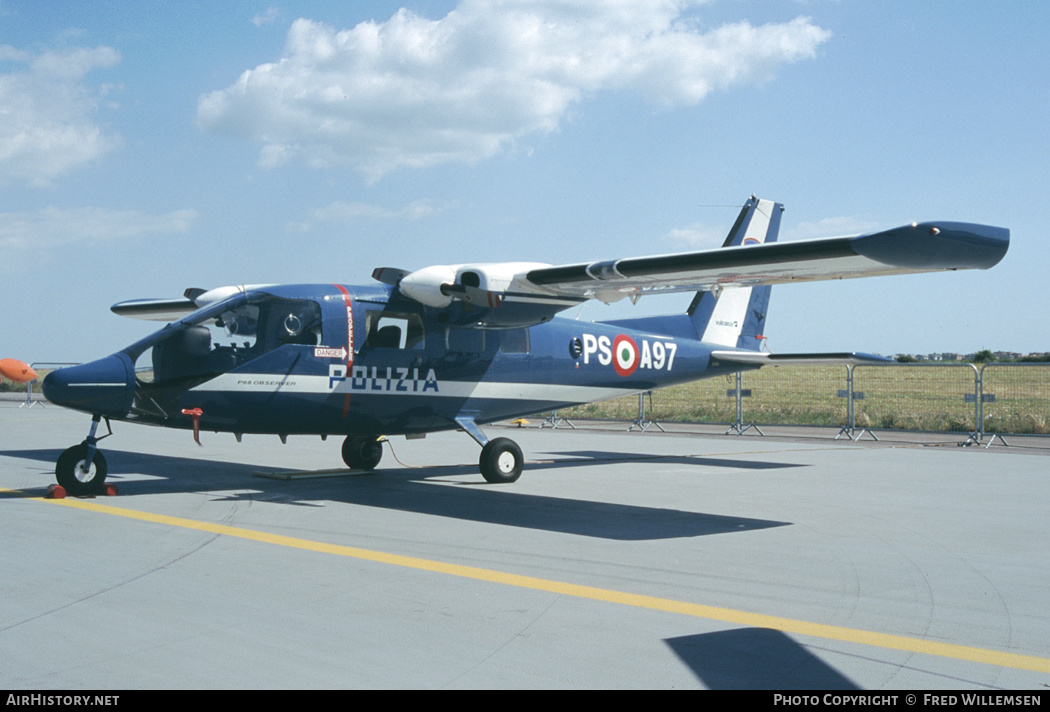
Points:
(104, 387)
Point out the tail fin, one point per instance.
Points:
(736, 318)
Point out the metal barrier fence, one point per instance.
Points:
(915, 396)
(1015, 398)
(42, 368)
(976, 401)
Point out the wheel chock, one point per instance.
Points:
(59, 492)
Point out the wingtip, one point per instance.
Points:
(936, 245)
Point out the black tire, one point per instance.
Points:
(362, 452)
(75, 478)
(501, 461)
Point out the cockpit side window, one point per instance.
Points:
(215, 340)
(291, 321)
(237, 328)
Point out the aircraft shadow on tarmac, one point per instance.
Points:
(756, 659)
(412, 490)
(580, 456)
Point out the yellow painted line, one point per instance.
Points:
(696, 610)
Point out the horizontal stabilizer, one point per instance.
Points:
(767, 359)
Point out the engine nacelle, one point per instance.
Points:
(425, 285)
(493, 277)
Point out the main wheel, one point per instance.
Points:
(362, 452)
(501, 461)
(77, 475)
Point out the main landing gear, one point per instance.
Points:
(81, 469)
(501, 459)
(362, 452)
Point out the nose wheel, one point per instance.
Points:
(79, 472)
(81, 469)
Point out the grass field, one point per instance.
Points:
(11, 387)
(935, 397)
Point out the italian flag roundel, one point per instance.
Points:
(625, 355)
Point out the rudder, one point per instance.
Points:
(736, 318)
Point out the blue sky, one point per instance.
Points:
(149, 147)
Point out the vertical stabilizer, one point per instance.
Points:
(737, 316)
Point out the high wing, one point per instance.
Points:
(518, 294)
(174, 309)
(155, 309)
(513, 294)
(919, 247)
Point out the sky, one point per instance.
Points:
(150, 147)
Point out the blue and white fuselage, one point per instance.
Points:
(406, 372)
(460, 346)
(426, 382)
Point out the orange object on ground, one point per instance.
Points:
(17, 371)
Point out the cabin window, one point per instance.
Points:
(465, 341)
(394, 330)
(514, 341)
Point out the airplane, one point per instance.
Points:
(460, 346)
(17, 371)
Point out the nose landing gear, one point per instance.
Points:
(81, 469)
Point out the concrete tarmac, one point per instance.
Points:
(618, 560)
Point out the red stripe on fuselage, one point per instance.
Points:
(349, 342)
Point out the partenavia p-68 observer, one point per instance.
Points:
(458, 346)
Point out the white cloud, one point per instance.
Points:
(696, 237)
(38, 231)
(831, 227)
(701, 237)
(266, 18)
(344, 212)
(48, 123)
(415, 92)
